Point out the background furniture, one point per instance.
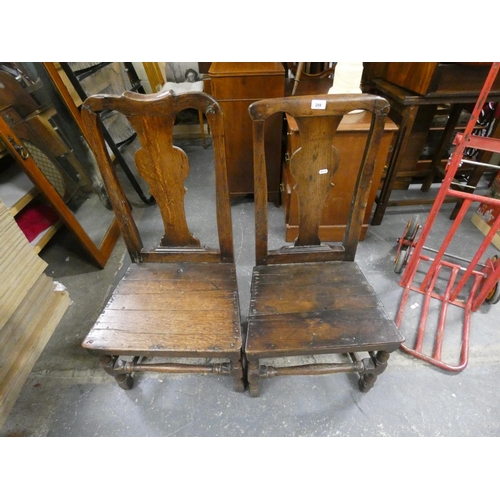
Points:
(159, 83)
(311, 298)
(235, 86)
(310, 78)
(35, 133)
(350, 141)
(179, 299)
(31, 306)
(433, 78)
(453, 85)
(76, 81)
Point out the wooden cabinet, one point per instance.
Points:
(434, 78)
(235, 86)
(417, 92)
(350, 141)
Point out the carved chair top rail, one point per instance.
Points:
(164, 167)
(335, 105)
(161, 103)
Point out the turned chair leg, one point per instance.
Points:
(124, 380)
(367, 380)
(238, 376)
(253, 378)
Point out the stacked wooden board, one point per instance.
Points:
(31, 306)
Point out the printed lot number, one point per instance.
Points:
(318, 104)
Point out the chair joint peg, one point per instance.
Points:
(267, 371)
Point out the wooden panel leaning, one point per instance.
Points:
(180, 299)
(311, 298)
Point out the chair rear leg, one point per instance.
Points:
(124, 380)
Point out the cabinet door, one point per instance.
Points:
(235, 86)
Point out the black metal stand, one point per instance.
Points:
(75, 81)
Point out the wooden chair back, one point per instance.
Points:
(165, 168)
(314, 166)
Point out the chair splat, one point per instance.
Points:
(313, 167)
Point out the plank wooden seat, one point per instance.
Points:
(311, 298)
(178, 300)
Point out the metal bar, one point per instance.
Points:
(435, 362)
(475, 197)
(480, 252)
(464, 358)
(447, 255)
(446, 242)
(425, 310)
(126, 169)
(109, 140)
(402, 306)
(418, 201)
(405, 282)
(480, 164)
(464, 186)
(491, 144)
(438, 344)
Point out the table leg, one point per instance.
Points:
(405, 127)
(444, 142)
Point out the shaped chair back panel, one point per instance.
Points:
(165, 168)
(313, 167)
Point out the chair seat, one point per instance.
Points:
(316, 308)
(177, 309)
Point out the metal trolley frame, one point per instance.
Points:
(481, 280)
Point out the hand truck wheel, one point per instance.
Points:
(401, 259)
(494, 296)
(409, 234)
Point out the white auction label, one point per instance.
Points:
(318, 104)
(323, 171)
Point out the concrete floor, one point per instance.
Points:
(68, 394)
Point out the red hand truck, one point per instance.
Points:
(478, 281)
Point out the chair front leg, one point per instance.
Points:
(237, 372)
(124, 380)
(374, 366)
(254, 377)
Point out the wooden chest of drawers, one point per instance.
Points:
(235, 86)
(350, 142)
